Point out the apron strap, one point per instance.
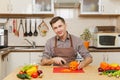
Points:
(70, 41)
(55, 41)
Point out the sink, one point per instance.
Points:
(28, 48)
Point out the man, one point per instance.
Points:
(63, 48)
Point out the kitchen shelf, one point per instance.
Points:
(26, 15)
(99, 15)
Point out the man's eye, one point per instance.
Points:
(55, 28)
(60, 26)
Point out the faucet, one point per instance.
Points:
(31, 43)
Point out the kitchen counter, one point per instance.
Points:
(40, 49)
(20, 49)
(90, 74)
(6, 51)
(92, 49)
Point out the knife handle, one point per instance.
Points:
(62, 62)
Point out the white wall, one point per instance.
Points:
(75, 24)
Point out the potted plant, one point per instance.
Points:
(86, 36)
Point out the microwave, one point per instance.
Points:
(106, 40)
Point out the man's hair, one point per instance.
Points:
(55, 19)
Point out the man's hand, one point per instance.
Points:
(85, 62)
(59, 60)
(81, 65)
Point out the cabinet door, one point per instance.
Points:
(21, 6)
(100, 7)
(35, 57)
(4, 6)
(0, 67)
(98, 57)
(113, 57)
(110, 6)
(90, 7)
(17, 59)
(43, 6)
(4, 67)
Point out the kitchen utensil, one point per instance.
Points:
(16, 31)
(14, 26)
(30, 33)
(62, 62)
(43, 28)
(25, 34)
(35, 32)
(21, 25)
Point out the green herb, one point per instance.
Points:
(86, 35)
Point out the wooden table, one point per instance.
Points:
(90, 74)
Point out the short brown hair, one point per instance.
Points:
(55, 19)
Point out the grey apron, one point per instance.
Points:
(67, 53)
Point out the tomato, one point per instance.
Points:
(34, 75)
(117, 68)
(21, 72)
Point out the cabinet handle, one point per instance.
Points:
(7, 58)
(7, 7)
(107, 58)
(103, 57)
(103, 8)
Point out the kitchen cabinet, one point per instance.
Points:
(35, 57)
(110, 6)
(90, 7)
(97, 57)
(109, 57)
(21, 7)
(16, 6)
(43, 6)
(17, 59)
(100, 7)
(26, 8)
(113, 57)
(5, 6)
(0, 67)
(3, 67)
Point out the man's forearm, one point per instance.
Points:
(85, 62)
(46, 61)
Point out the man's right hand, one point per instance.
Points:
(59, 60)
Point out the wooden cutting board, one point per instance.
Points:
(66, 70)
